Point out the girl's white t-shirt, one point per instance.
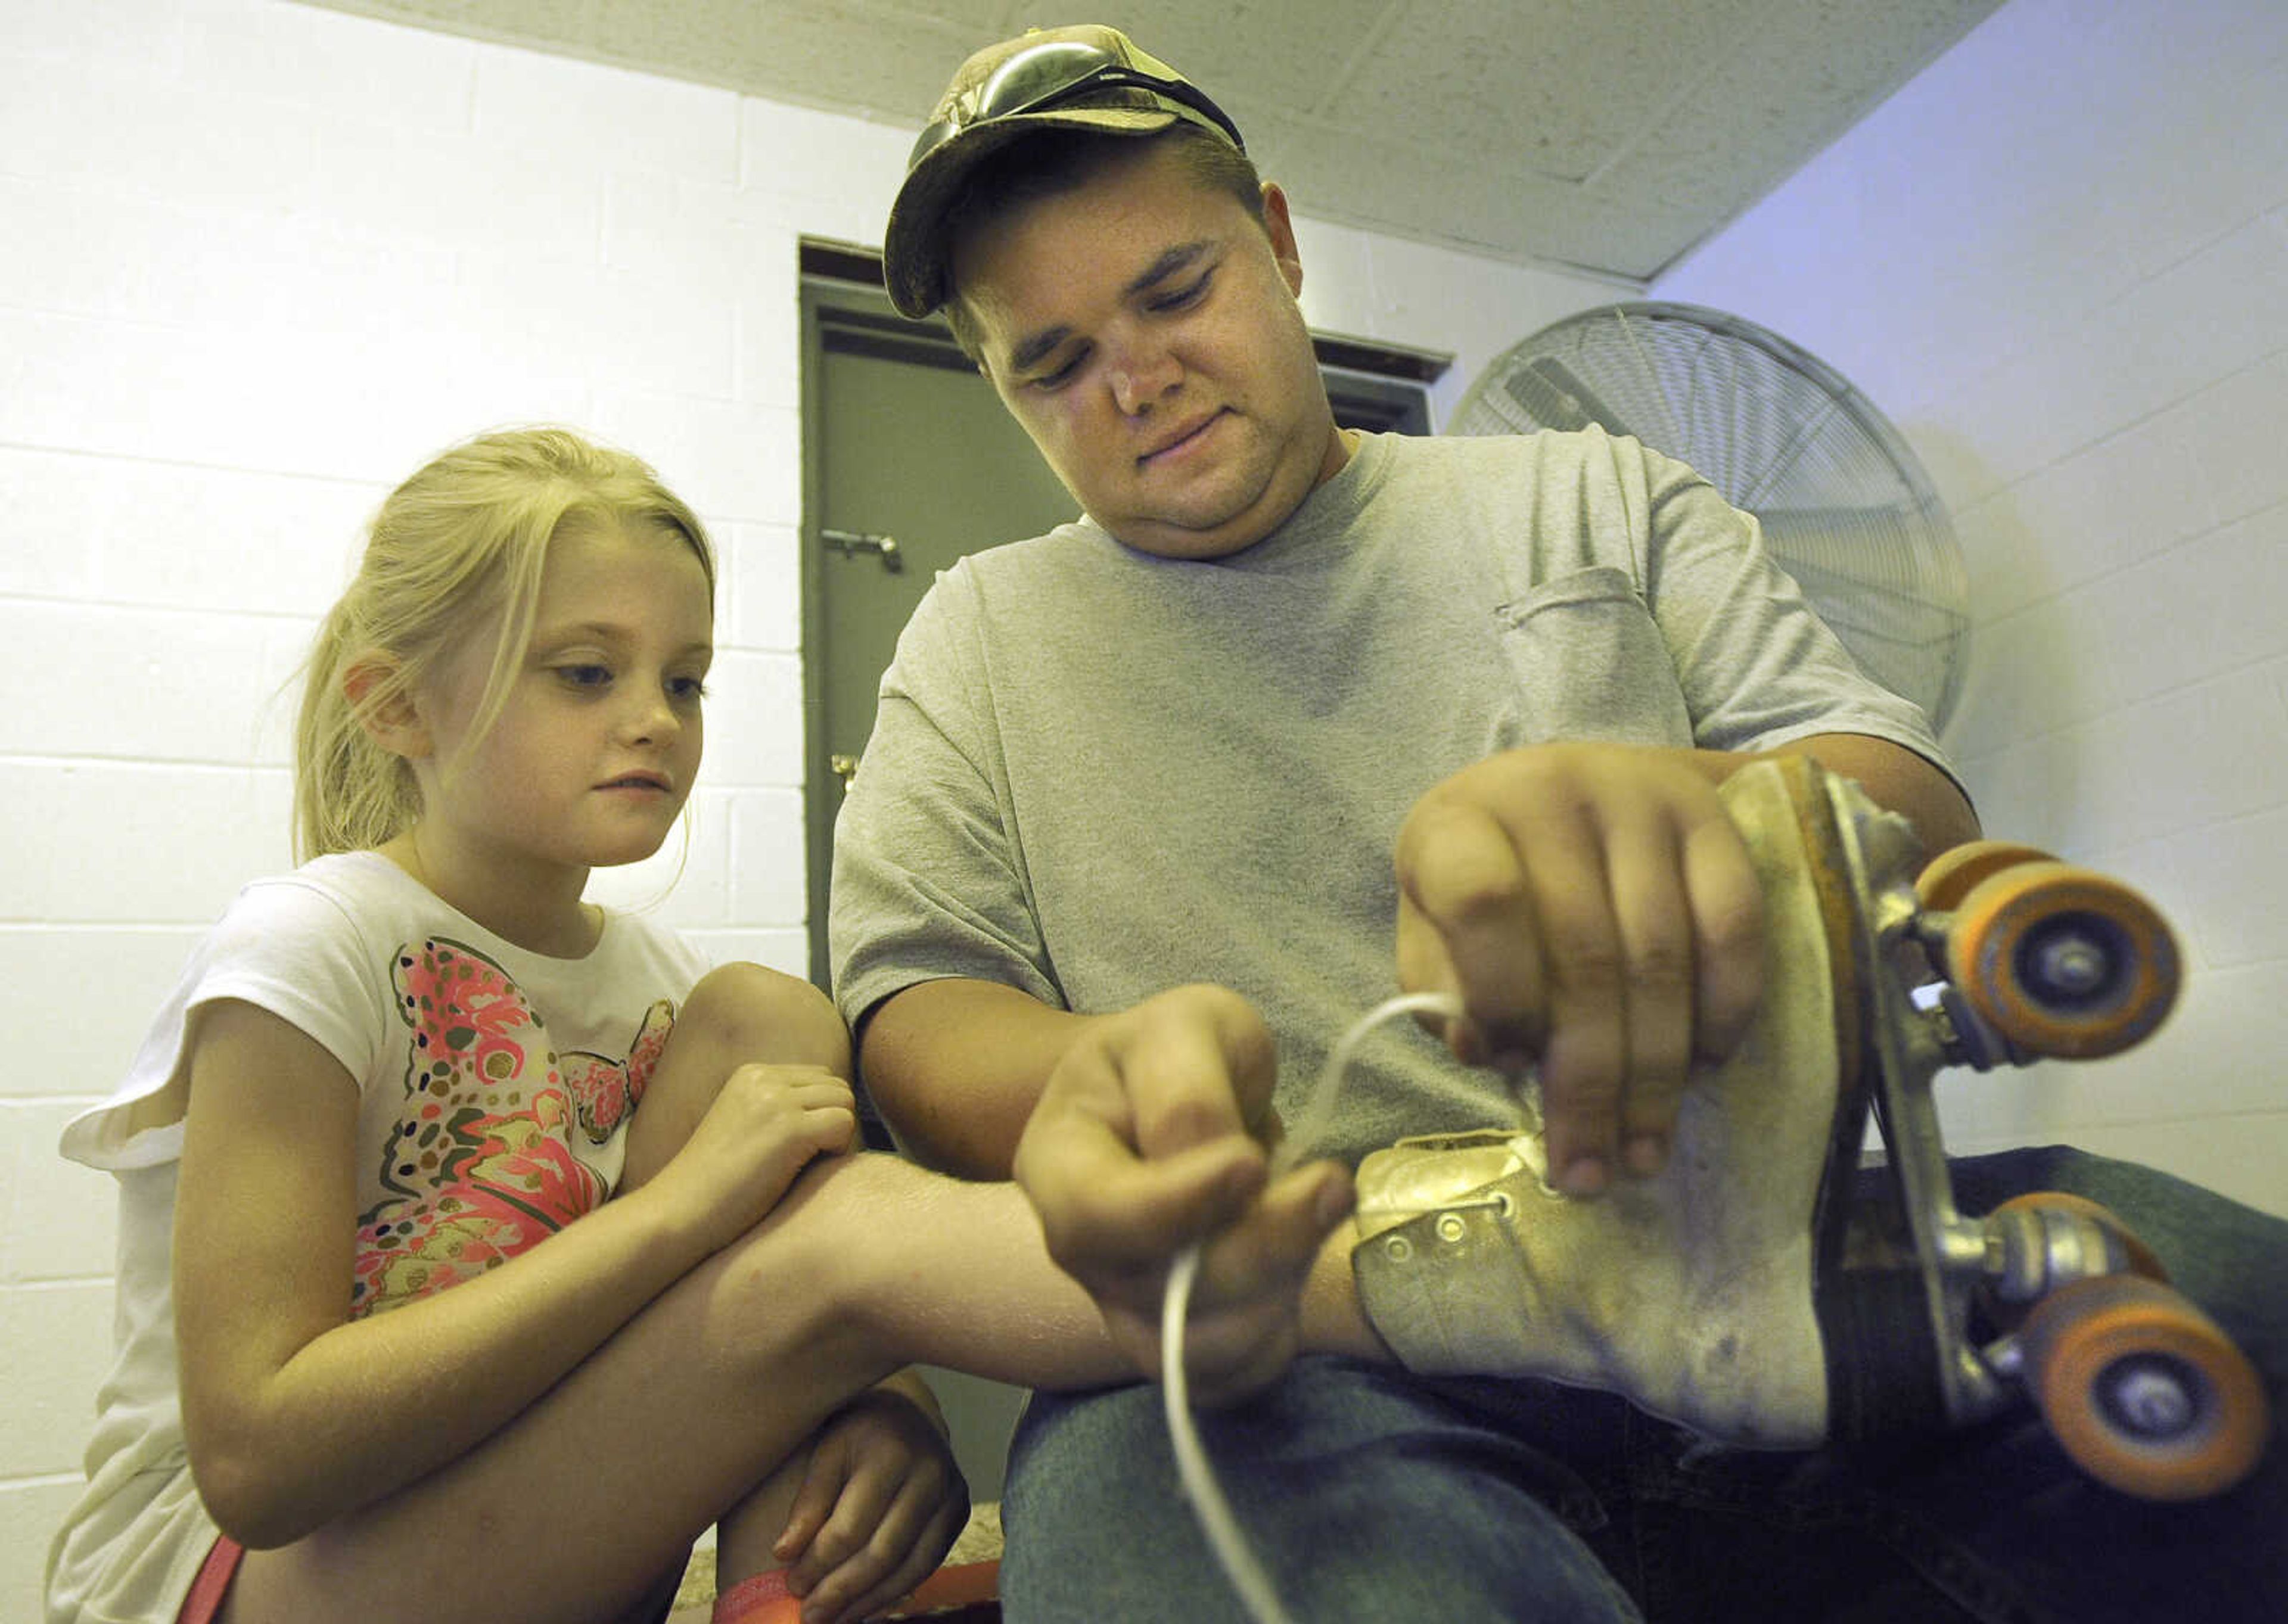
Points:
(494, 1086)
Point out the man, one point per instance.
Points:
(1148, 798)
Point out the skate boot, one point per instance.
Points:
(1757, 1290)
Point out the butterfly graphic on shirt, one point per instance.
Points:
(480, 1165)
(604, 1090)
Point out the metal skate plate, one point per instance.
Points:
(1907, 1045)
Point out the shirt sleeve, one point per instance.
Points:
(1757, 666)
(294, 950)
(284, 946)
(929, 879)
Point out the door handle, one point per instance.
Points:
(844, 767)
(851, 544)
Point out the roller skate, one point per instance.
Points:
(1759, 1290)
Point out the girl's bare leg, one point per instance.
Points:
(745, 1534)
(743, 1012)
(737, 1013)
(576, 1507)
(573, 1510)
(590, 1499)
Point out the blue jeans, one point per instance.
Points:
(1370, 1494)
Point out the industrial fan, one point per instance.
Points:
(1845, 506)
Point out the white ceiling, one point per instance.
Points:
(1608, 135)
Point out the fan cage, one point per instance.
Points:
(1845, 505)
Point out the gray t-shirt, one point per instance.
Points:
(1097, 774)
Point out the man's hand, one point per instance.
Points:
(1595, 910)
(1153, 1133)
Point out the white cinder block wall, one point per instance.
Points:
(259, 260)
(2059, 260)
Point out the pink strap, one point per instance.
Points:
(213, 1581)
(763, 1599)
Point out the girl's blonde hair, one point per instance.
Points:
(454, 551)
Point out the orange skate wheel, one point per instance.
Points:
(2062, 961)
(1948, 877)
(2143, 1391)
(2141, 1258)
(2021, 1273)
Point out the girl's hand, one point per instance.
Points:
(764, 1126)
(880, 1506)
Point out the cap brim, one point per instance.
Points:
(914, 250)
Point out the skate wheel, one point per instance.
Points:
(2045, 1239)
(2062, 961)
(2142, 1259)
(2143, 1391)
(1948, 877)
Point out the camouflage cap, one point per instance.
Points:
(1088, 76)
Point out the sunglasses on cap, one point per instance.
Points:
(1055, 73)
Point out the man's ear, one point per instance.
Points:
(1281, 229)
(384, 706)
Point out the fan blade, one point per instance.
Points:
(1556, 398)
(1907, 635)
(1904, 547)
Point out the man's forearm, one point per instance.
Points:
(1893, 777)
(1897, 779)
(955, 1068)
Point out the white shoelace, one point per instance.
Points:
(1232, 1551)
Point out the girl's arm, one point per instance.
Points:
(293, 1414)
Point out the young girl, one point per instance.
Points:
(400, 1068)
